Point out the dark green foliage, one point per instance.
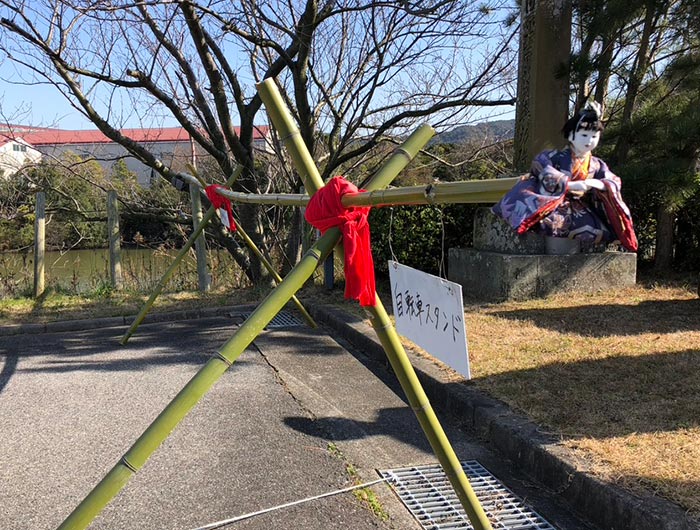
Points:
(76, 204)
(16, 213)
(662, 169)
(687, 251)
(73, 200)
(413, 235)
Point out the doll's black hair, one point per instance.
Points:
(588, 118)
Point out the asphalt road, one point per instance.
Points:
(72, 403)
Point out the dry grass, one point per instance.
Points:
(617, 375)
(57, 306)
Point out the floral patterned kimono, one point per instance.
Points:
(540, 202)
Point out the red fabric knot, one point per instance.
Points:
(325, 211)
(222, 204)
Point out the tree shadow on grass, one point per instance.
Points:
(608, 397)
(653, 316)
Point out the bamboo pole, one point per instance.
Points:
(385, 330)
(39, 244)
(469, 191)
(115, 261)
(304, 313)
(201, 382)
(181, 254)
(195, 389)
(186, 247)
(200, 244)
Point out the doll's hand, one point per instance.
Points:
(577, 187)
(595, 184)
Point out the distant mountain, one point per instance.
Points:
(493, 130)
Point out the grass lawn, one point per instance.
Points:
(616, 375)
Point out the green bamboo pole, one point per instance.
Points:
(253, 247)
(384, 329)
(183, 251)
(195, 389)
(304, 313)
(470, 191)
(181, 254)
(199, 385)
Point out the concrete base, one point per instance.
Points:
(493, 234)
(493, 276)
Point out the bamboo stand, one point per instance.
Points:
(386, 332)
(203, 380)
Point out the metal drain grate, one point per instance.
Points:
(283, 319)
(428, 494)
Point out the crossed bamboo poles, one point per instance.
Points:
(205, 378)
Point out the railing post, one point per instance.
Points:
(200, 245)
(115, 258)
(39, 243)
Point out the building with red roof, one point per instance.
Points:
(172, 145)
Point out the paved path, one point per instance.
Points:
(72, 403)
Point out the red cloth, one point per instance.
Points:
(619, 218)
(219, 201)
(325, 211)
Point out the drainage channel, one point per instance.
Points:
(429, 496)
(283, 319)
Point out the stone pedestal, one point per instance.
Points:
(505, 266)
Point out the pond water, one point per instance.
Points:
(80, 271)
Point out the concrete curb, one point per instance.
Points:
(536, 453)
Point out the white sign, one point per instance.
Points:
(429, 311)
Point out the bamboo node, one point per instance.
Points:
(290, 135)
(128, 464)
(430, 192)
(315, 253)
(218, 355)
(402, 151)
(425, 406)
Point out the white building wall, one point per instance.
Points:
(15, 155)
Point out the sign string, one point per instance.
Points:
(441, 269)
(391, 225)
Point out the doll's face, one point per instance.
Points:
(583, 141)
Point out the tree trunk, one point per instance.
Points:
(604, 64)
(663, 258)
(293, 247)
(641, 64)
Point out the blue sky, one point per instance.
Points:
(39, 106)
(42, 105)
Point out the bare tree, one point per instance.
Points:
(354, 72)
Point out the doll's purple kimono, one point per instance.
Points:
(541, 201)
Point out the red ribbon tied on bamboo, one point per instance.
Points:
(222, 204)
(325, 210)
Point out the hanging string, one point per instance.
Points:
(441, 270)
(391, 224)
